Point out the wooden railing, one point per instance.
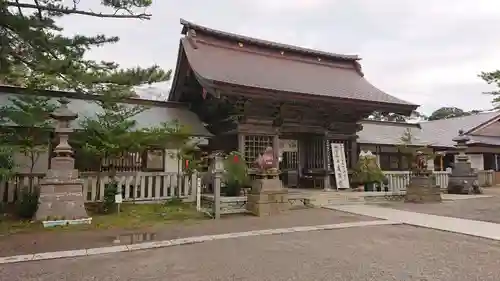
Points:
(155, 186)
(11, 190)
(399, 180)
(135, 186)
(141, 186)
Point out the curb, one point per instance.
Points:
(183, 241)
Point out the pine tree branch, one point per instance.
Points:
(68, 11)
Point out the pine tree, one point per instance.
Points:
(35, 54)
(27, 124)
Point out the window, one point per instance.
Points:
(256, 145)
(394, 161)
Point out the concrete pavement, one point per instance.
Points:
(375, 253)
(463, 226)
(181, 241)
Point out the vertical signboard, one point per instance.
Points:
(340, 166)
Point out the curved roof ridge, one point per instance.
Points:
(265, 43)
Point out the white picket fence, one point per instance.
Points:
(142, 186)
(156, 186)
(135, 186)
(399, 180)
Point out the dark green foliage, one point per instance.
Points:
(113, 131)
(235, 176)
(35, 54)
(366, 171)
(395, 117)
(27, 206)
(6, 162)
(29, 120)
(493, 78)
(414, 152)
(108, 204)
(450, 112)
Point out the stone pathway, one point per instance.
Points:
(183, 241)
(464, 226)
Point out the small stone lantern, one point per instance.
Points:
(61, 199)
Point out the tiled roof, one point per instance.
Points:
(380, 132)
(265, 43)
(153, 116)
(441, 132)
(438, 133)
(223, 61)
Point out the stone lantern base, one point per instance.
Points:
(423, 189)
(268, 196)
(61, 201)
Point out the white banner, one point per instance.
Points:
(340, 166)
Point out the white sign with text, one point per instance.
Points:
(340, 166)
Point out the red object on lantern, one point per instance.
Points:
(187, 164)
(235, 158)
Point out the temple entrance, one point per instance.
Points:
(315, 99)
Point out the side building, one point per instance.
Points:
(85, 106)
(483, 129)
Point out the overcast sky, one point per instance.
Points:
(428, 52)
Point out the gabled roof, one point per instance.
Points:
(441, 132)
(437, 133)
(389, 133)
(269, 44)
(85, 106)
(221, 57)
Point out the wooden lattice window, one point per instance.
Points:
(256, 145)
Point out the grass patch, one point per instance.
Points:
(131, 216)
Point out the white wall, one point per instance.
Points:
(476, 161)
(23, 163)
(171, 162)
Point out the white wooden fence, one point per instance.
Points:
(155, 186)
(399, 180)
(135, 186)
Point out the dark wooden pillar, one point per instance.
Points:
(241, 144)
(300, 157)
(276, 147)
(354, 152)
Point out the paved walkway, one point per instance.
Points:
(183, 241)
(470, 227)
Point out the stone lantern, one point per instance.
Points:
(61, 199)
(463, 179)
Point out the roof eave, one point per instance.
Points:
(405, 109)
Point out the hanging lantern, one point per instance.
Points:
(235, 159)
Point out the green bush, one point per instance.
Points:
(108, 205)
(27, 205)
(367, 171)
(236, 174)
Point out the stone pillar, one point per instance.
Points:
(267, 196)
(218, 170)
(61, 191)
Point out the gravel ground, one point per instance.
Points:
(402, 253)
(482, 209)
(68, 240)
